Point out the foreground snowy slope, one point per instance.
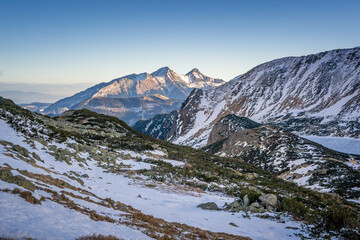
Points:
(112, 180)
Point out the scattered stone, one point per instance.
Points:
(208, 206)
(256, 208)
(233, 224)
(235, 206)
(246, 200)
(294, 228)
(269, 200)
(255, 205)
(261, 210)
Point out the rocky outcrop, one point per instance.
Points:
(208, 206)
(228, 125)
(159, 126)
(292, 158)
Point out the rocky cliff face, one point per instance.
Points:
(159, 126)
(303, 94)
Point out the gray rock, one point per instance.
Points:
(235, 206)
(246, 200)
(208, 206)
(255, 205)
(269, 200)
(233, 224)
(261, 210)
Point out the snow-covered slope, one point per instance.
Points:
(94, 170)
(309, 94)
(164, 81)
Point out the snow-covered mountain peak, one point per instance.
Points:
(163, 81)
(198, 80)
(161, 72)
(194, 70)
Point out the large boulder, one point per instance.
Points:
(269, 200)
(208, 206)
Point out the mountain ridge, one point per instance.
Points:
(302, 94)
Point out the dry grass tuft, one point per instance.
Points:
(98, 237)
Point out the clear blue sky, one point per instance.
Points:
(94, 41)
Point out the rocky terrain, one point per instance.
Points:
(110, 179)
(287, 155)
(138, 88)
(159, 126)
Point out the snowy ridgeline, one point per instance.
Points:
(308, 94)
(89, 182)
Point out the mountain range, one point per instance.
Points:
(318, 94)
(145, 89)
(257, 117)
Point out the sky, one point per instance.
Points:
(74, 41)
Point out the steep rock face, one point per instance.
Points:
(228, 125)
(292, 158)
(163, 81)
(183, 124)
(323, 87)
(159, 126)
(131, 110)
